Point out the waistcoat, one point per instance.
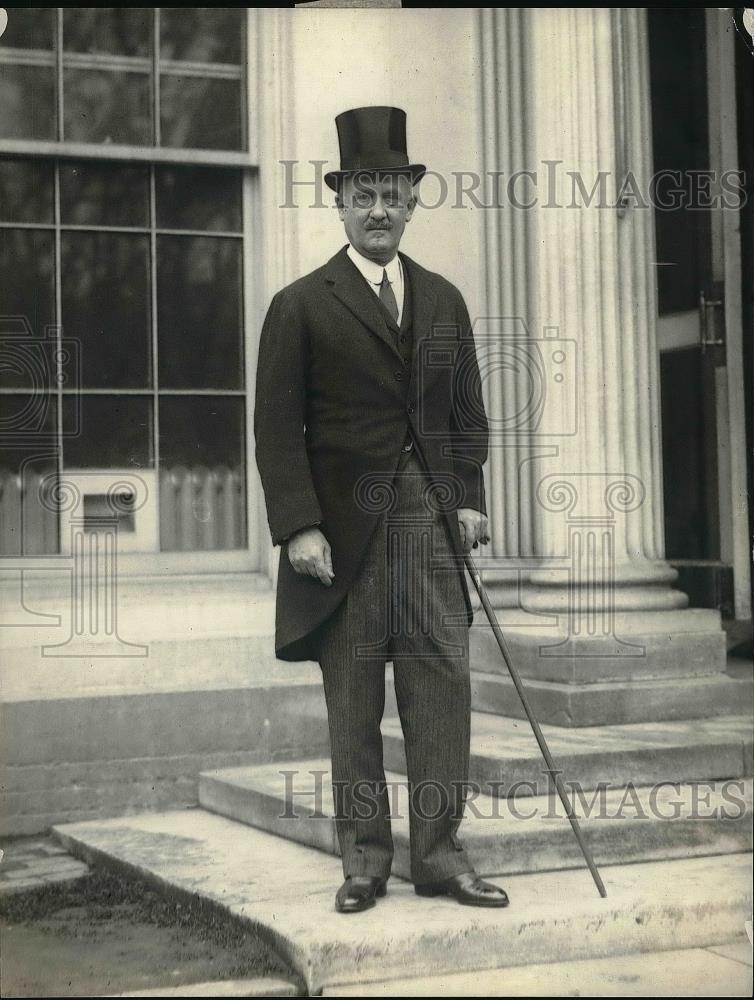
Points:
(403, 338)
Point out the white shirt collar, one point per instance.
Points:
(373, 271)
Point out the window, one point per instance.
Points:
(122, 257)
(169, 77)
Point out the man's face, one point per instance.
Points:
(374, 211)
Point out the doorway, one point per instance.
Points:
(698, 215)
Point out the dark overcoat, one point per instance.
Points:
(334, 400)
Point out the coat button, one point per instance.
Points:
(410, 409)
(399, 376)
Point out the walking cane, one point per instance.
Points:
(474, 573)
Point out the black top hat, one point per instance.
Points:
(373, 140)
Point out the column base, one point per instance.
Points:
(656, 665)
(614, 702)
(643, 645)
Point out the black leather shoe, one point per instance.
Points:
(359, 892)
(467, 888)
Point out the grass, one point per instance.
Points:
(105, 933)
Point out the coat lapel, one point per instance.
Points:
(350, 288)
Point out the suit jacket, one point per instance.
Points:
(334, 400)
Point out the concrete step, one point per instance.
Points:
(37, 609)
(97, 745)
(682, 643)
(258, 987)
(505, 755)
(287, 892)
(520, 834)
(605, 703)
(719, 971)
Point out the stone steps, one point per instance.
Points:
(616, 701)
(286, 891)
(523, 834)
(718, 971)
(504, 752)
(258, 987)
(112, 736)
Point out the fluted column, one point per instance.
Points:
(590, 104)
(572, 381)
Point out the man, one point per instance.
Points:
(370, 439)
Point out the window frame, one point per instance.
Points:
(253, 557)
(153, 67)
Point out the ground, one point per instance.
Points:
(189, 926)
(97, 933)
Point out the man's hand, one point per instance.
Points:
(473, 528)
(309, 554)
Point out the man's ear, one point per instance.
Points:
(410, 206)
(339, 204)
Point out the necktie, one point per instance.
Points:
(387, 296)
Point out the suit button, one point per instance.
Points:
(403, 338)
(399, 376)
(410, 409)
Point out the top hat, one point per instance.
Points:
(373, 140)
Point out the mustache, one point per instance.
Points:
(378, 228)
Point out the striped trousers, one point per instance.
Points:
(405, 605)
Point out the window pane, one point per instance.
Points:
(31, 359)
(29, 28)
(27, 428)
(199, 198)
(123, 31)
(200, 113)
(28, 296)
(105, 278)
(202, 34)
(202, 476)
(199, 312)
(107, 106)
(28, 521)
(27, 102)
(104, 194)
(26, 191)
(114, 432)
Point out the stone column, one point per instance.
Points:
(570, 359)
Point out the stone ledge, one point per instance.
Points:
(527, 834)
(187, 664)
(70, 758)
(161, 724)
(614, 702)
(287, 892)
(259, 987)
(660, 645)
(504, 749)
(688, 972)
